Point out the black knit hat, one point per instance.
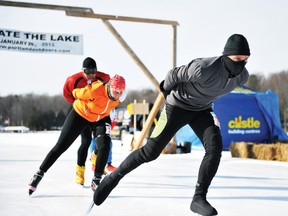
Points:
(236, 44)
(89, 63)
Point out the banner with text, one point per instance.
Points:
(248, 116)
(35, 42)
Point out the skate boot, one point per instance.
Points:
(35, 181)
(93, 161)
(200, 204)
(106, 186)
(80, 173)
(95, 182)
(110, 168)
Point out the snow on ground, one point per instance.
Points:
(242, 187)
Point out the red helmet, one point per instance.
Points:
(118, 82)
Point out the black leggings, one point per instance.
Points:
(86, 138)
(72, 128)
(170, 121)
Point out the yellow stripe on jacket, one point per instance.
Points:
(92, 102)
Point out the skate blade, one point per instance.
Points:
(90, 208)
(31, 190)
(200, 214)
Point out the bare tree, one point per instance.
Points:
(44, 112)
(255, 82)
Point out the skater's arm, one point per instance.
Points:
(82, 93)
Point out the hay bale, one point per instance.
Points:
(264, 151)
(241, 149)
(276, 152)
(282, 152)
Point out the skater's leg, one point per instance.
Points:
(86, 138)
(209, 134)
(103, 139)
(167, 126)
(135, 159)
(103, 144)
(109, 161)
(110, 168)
(72, 127)
(82, 155)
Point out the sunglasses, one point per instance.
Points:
(118, 91)
(89, 71)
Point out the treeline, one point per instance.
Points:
(278, 83)
(38, 112)
(42, 112)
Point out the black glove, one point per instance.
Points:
(165, 93)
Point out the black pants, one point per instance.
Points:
(72, 128)
(86, 138)
(170, 121)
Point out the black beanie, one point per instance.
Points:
(89, 63)
(236, 44)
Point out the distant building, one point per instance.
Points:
(15, 129)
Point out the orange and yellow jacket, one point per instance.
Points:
(79, 80)
(92, 102)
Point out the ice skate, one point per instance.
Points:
(105, 188)
(35, 181)
(95, 182)
(80, 173)
(201, 206)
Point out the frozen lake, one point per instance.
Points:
(242, 187)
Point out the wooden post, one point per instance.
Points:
(88, 13)
(160, 99)
(174, 46)
(158, 102)
(131, 53)
(134, 118)
(144, 115)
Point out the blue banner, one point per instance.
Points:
(244, 115)
(241, 119)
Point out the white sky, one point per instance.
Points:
(204, 28)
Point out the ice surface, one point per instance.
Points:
(164, 187)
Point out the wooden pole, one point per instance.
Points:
(144, 114)
(160, 99)
(120, 18)
(85, 12)
(174, 46)
(157, 104)
(135, 119)
(88, 13)
(45, 6)
(131, 53)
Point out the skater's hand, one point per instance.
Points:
(165, 93)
